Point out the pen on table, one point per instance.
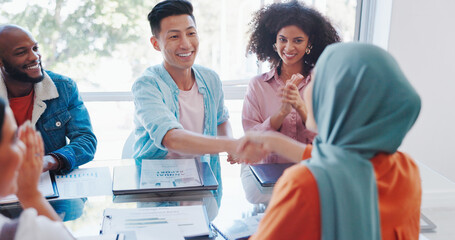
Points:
(120, 236)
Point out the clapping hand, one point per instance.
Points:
(290, 94)
(30, 171)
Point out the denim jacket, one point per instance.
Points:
(157, 109)
(59, 113)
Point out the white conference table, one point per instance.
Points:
(438, 203)
(84, 216)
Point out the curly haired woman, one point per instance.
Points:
(291, 36)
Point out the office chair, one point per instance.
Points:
(127, 151)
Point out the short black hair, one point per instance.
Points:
(268, 21)
(168, 8)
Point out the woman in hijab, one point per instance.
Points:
(21, 160)
(355, 184)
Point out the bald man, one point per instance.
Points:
(49, 100)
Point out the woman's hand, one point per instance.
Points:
(232, 159)
(29, 174)
(240, 151)
(31, 168)
(290, 94)
(254, 146)
(285, 108)
(268, 142)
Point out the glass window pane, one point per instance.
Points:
(112, 123)
(104, 46)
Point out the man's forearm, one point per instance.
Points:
(183, 141)
(225, 129)
(80, 150)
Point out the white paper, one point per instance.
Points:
(84, 182)
(165, 231)
(169, 173)
(421, 237)
(44, 186)
(191, 220)
(100, 237)
(239, 228)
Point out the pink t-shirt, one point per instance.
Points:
(262, 101)
(191, 108)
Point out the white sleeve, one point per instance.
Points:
(32, 226)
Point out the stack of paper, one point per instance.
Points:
(190, 221)
(85, 182)
(164, 175)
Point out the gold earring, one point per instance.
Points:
(308, 49)
(274, 47)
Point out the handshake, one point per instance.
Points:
(255, 146)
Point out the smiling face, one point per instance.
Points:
(20, 59)
(291, 43)
(178, 42)
(12, 152)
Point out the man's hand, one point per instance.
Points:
(232, 159)
(251, 149)
(241, 151)
(50, 163)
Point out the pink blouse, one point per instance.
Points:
(262, 101)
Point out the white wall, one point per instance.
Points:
(422, 39)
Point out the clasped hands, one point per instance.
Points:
(253, 147)
(290, 96)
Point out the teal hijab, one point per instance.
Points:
(363, 105)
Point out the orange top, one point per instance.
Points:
(294, 210)
(22, 107)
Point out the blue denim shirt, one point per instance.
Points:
(157, 109)
(67, 117)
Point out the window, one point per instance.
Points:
(104, 46)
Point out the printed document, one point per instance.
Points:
(84, 182)
(169, 173)
(191, 220)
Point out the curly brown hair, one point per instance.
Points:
(268, 21)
